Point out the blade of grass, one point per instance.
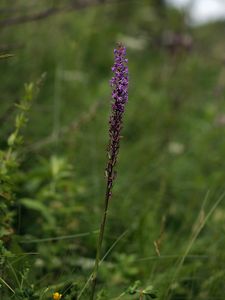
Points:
(59, 238)
(103, 258)
(6, 284)
(194, 237)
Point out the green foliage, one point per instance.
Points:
(170, 168)
(9, 163)
(146, 293)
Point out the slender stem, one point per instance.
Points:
(119, 84)
(102, 228)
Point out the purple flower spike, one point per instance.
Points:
(119, 84)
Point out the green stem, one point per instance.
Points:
(102, 229)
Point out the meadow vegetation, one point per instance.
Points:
(166, 222)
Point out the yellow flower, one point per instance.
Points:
(57, 296)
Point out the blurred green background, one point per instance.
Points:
(166, 220)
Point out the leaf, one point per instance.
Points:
(11, 139)
(149, 291)
(41, 208)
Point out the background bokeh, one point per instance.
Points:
(167, 215)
